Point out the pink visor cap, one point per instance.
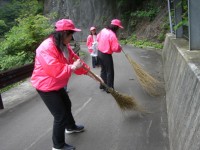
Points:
(92, 28)
(65, 24)
(117, 22)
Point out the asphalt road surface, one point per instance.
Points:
(28, 125)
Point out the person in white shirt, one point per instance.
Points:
(92, 46)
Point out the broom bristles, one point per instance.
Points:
(126, 102)
(152, 86)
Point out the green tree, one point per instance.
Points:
(18, 9)
(3, 27)
(18, 47)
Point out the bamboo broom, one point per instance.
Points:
(124, 101)
(152, 86)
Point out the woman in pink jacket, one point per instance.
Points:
(55, 61)
(92, 46)
(108, 44)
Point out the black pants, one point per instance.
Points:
(95, 61)
(107, 68)
(59, 105)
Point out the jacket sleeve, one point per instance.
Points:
(51, 64)
(89, 43)
(114, 44)
(73, 57)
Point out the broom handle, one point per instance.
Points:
(124, 53)
(95, 76)
(128, 57)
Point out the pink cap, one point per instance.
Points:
(65, 24)
(117, 22)
(92, 28)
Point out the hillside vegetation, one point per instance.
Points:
(149, 24)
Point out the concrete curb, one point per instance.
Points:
(17, 95)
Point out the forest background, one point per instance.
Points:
(24, 24)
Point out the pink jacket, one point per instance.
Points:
(108, 42)
(89, 43)
(52, 70)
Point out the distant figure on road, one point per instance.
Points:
(92, 46)
(55, 61)
(107, 44)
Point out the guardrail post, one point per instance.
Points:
(170, 17)
(1, 103)
(178, 18)
(194, 24)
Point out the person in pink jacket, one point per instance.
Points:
(107, 44)
(92, 46)
(55, 62)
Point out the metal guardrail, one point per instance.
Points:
(14, 75)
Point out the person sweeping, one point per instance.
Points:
(108, 44)
(55, 62)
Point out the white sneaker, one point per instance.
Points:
(56, 149)
(66, 147)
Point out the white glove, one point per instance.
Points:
(77, 64)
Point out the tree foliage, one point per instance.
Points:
(184, 21)
(3, 27)
(19, 44)
(18, 9)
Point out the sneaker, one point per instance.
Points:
(76, 129)
(69, 147)
(66, 147)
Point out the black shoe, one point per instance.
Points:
(76, 129)
(69, 147)
(102, 87)
(107, 91)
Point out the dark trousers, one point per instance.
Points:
(95, 61)
(107, 68)
(59, 105)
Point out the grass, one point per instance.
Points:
(11, 86)
(132, 40)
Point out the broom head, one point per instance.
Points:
(125, 102)
(152, 86)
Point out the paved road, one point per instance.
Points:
(28, 126)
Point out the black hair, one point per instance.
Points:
(94, 33)
(114, 28)
(58, 37)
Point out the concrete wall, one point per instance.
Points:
(182, 74)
